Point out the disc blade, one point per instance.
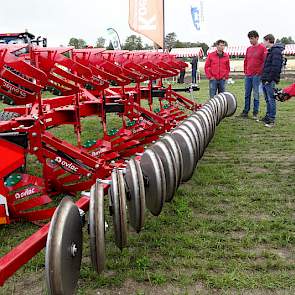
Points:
(64, 249)
(155, 183)
(135, 194)
(97, 227)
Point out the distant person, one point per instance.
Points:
(181, 73)
(194, 64)
(181, 76)
(217, 69)
(284, 65)
(270, 76)
(253, 65)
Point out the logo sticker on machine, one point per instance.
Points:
(13, 89)
(27, 192)
(67, 165)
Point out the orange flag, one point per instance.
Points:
(146, 17)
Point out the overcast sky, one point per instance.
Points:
(59, 20)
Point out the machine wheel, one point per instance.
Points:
(97, 227)
(117, 194)
(135, 194)
(168, 162)
(155, 182)
(64, 249)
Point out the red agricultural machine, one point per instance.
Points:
(139, 165)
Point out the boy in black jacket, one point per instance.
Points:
(270, 76)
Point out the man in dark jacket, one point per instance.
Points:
(270, 76)
(217, 69)
(194, 64)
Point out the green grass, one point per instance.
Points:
(229, 230)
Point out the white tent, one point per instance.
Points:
(187, 52)
(241, 50)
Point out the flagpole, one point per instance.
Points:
(163, 25)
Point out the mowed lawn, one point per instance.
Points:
(229, 230)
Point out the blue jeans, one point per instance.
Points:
(270, 101)
(215, 85)
(252, 82)
(194, 76)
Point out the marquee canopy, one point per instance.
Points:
(241, 50)
(187, 52)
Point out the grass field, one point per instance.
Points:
(229, 230)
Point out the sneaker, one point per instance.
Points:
(269, 124)
(244, 115)
(255, 117)
(265, 119)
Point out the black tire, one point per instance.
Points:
(7, 116)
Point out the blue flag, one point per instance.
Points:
(196, 16)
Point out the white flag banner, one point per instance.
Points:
(114, 38)
(197, 12)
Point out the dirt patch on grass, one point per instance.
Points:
(283, 253)
(131, 287)
(29, 284)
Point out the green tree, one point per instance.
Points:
(147, 46)
(179, 44)
(77, 43)
(286, 40)
(170, 40)
(133, 42)
(100, 42)
(110, 47)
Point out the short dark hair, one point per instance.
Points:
(219, 42)
(269, 38)
(253, 34)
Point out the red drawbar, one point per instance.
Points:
(12, 157)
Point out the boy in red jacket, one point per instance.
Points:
(253, 65)
(217, 69)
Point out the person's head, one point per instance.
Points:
(253, 37)
(220, 44)
(268, 40)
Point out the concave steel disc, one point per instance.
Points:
(155, 182)
(97, 227)
(176, 152)
(210, 120)
(192, 138)
(213, 106)
(188, 154)
(192, 127)
(118, 208)
(204, 121)
(231, 103)
(219, 109)
(200, 131)
(211, 110)
(168, 162)
(223, 102)
(135, 194)
(64, 249)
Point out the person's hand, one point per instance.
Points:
(280, 95)
(212, 78)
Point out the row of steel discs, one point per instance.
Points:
(144, 183)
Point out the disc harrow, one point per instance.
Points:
(160, 139)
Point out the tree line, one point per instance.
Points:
(134, 42)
